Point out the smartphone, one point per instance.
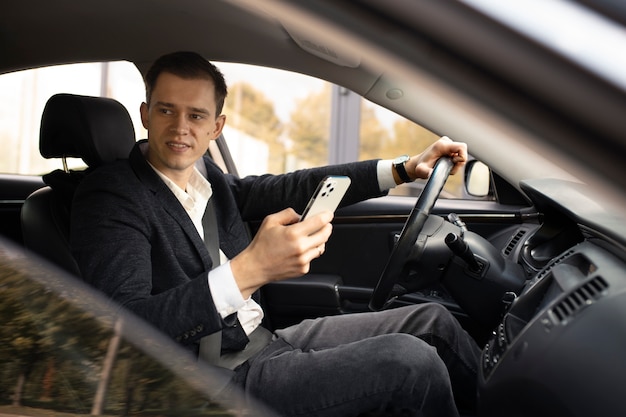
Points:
(327, 196)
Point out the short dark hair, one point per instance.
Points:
(188, 65)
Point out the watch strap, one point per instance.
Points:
(401, 170)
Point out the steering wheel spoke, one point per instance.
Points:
(396, 269)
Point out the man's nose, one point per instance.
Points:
(180, 125)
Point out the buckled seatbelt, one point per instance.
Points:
(211, 345)
(259, 339)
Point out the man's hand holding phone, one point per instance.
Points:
(286, 242)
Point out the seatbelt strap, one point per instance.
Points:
(259, 339)
(211, 233)
(211, 345)
(210, 348)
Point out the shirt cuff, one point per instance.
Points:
(224, 290)
(385, 175)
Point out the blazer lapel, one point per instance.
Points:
(167, 200)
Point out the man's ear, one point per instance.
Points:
(220, 121)
(143, 110)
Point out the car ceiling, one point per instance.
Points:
(141, 30)
(441, 88)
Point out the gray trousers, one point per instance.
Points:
(409, 361)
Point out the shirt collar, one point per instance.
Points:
(198, 192)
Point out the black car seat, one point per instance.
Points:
(98, 130)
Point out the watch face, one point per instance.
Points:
(401, 159)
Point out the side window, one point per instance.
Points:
(385, 134)
(24, 94)
(279, 121)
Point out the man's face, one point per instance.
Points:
(181, 122)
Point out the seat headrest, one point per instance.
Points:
(96, 129)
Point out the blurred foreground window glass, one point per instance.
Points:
(58, 359)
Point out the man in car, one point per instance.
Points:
(137, 235)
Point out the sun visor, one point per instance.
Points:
(322, 49)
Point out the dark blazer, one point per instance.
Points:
(133, 240)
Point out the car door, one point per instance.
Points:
(343, 279)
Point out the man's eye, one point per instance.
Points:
(197, 117)
(165, 111)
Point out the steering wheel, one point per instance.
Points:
(396, 269)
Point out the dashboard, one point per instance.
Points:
(559, 348)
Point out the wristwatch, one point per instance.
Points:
(398, 164)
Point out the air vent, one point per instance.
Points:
(580, 298)
(552, 264)
(514, 241)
